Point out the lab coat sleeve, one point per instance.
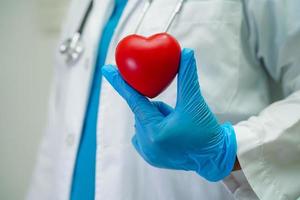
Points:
(269, 144)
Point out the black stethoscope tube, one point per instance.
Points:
(86, 15)
(73, 48)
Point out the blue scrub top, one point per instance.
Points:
(83, 186)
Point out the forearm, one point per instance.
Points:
(267, 148)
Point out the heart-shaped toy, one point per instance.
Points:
(148, 64)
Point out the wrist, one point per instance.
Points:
(217, 161)
(229, 152)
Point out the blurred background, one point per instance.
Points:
(29, 31)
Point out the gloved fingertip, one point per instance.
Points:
(111, 73)
(108, 69)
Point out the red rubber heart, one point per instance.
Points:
(148, 64)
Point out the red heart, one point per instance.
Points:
(148, 64)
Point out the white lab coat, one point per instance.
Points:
(248, 57)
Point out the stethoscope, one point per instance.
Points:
(73, 48)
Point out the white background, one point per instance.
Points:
(28, 35)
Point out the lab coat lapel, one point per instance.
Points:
(80, 75)
(77, 82)
(108, 126)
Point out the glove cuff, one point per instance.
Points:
(227, 158)
(219, 160)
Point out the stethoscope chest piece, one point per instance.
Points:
(72, 47)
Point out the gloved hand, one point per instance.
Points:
(187, 137)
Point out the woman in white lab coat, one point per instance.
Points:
(248, 62)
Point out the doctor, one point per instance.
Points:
(246, 55)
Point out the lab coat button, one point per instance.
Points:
(70, 139)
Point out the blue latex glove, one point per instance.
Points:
(185, 138)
